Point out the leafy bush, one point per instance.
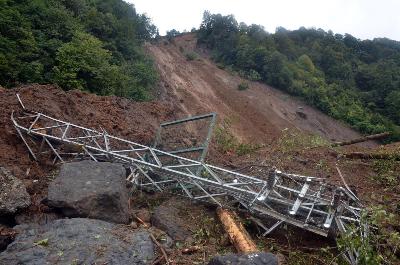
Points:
(253, 75)
(220, 65)
(171, 34)
(190, 56)
(243, 86)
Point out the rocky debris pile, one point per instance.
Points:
(13, 195)
(166, 217)
(91, 189)
(261, 258)
(79, 241)
(97, 192)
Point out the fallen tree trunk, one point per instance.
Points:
(360, 155)
(236, 232)
(363, 139)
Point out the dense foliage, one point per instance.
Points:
(93, 45)
(351, 80)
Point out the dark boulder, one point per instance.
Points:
(13, 195)
(79, 241)
(301, 114)
(261, 258)
(166, 217)
(91, 189)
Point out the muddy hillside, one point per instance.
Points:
(258, 113)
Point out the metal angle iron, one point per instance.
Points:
(303, 201)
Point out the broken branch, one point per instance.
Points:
(160, 247)
(142, 222)
(384, 156)
(345, 184)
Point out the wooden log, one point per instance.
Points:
(363, 139)
(236, 232)
(361, 155)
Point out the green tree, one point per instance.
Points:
(82, 63)
(392, 102)
(306, 63)
(51, 41)
(172, 34)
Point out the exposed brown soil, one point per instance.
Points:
(118, 116)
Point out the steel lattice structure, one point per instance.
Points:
(306, 202)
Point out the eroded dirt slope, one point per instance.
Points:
(128, 119)
(258, 114)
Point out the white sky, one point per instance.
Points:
(364, 19)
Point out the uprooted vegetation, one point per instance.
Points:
(381, 244)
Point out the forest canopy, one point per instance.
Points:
(356, 81)
(92, 45)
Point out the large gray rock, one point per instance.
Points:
(91, 189)
(79, 241)
(13, 195)
(261, 258)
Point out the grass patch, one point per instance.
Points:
(228, 143)
(190, 56)
(322, 256)
(294, 141)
